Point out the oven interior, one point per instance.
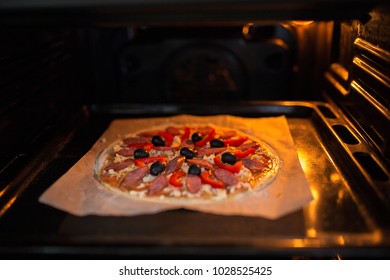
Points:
(68, 70)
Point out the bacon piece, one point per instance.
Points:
(133, 177)
(136, 140)
(209, 151)
(174, 164)
(116, 166)
(253, 165)
(158, 184)
(193, 183)
(126, 152)
(226, 177)
(201, 162)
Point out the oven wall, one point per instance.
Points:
(48, 73)
(42, 83)
(149, 64)
(358, 76)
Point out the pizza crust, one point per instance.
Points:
(248, 181)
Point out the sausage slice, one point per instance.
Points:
(253, 165)
(132, 178)
(158, 184)
(193, 183)
(174, 164)
(117, 166)
(226, 177)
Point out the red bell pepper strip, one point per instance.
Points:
(143, 161)
(186, 134)
(176, 178)
(208, 138)
(205, 177)
(244, 154)
(235, 142)
(168, 137)
(146, 146)
(235, 168)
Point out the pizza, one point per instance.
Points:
(181, 162)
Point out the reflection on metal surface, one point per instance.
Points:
(374, 50)
(301, 22)
(340, 71)
(372, 71)
(9, 203)
(311, 232)
(335, 83)
(312, 208)
(246, 30)
(298, 243)
(367, 96)
(341, 240)
(335, 178)
(340, 196)
(302, 159)
(5, 207)
(4, 190)
(335, 216)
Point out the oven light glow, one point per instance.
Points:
(298, 243)
(311, 232)
(302, 22)
(341, 240)
(246, 30)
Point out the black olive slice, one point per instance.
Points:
(217, 143)
(196, 137)
(228, 158)
(194, 169)
(140, 153)
(187, 153)
(157, 167)
(158, 141)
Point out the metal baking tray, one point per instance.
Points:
(348, 218)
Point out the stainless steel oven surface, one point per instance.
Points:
(68, 68)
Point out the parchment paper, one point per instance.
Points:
(78, 192)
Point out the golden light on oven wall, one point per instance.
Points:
(246, 30)
(301, 22)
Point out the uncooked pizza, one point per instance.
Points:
(181, 162)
